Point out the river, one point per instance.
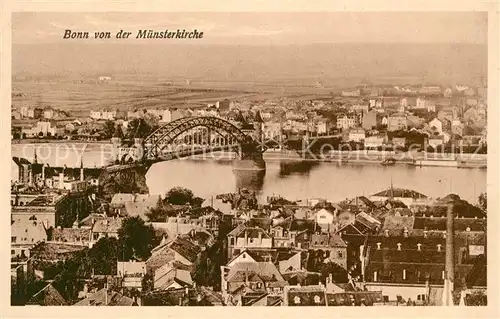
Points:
(291, 179)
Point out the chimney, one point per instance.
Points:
(30, 181)
(82, 177)
(450, 255)
(106, 294)
(61, 180)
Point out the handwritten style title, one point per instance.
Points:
(141, 34)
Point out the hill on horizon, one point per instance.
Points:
(432, 63)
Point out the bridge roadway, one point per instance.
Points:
(173, 155)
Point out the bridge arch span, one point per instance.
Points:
(166, 134)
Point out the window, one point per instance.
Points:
(340, 254)
(13, 239)
(12, 252)
(317, 299)
(232, 241)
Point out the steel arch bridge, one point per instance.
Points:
(157, 141)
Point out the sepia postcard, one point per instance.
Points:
(311, 157)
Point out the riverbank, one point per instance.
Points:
(47, 141)
(64, 149)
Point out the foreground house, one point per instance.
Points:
(48, 296)
(106, 297)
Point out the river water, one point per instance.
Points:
(292, 179)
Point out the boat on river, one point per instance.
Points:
(389, 161)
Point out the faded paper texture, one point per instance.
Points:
(328, 155)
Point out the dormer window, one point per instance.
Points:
(444, 234)
(439, 247)
(405, 232)
(419, 246)
(378, 246)
(399, 246)
(386, 232)
(317, 299)
(425, 233)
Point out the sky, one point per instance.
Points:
(263, 28)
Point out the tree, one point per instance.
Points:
(339, 274)
(160, 213)
(182, 196)
(104, 255)
(138, 128)
(136, 239)
(108, 129)
(118, 132)
(483, 201)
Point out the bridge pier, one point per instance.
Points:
(250, 159)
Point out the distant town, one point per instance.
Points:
(427, 118)
(81, 238)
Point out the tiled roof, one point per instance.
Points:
(122, 198)
(357, 298)
(71, 235)
(267, 271)
(107, 225)
(400, 192)
(461, 208)
(113, 298)
(439, 223)
(54, 251)
(185, 248)
(368, 220)
(90, 220)
(300, 276)
(306, 296)
(397, 224)
(252, 232)
(180, 276)
(48, 296)
(326, 240)
(160, 258)
(361, 200)
(28, 232)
